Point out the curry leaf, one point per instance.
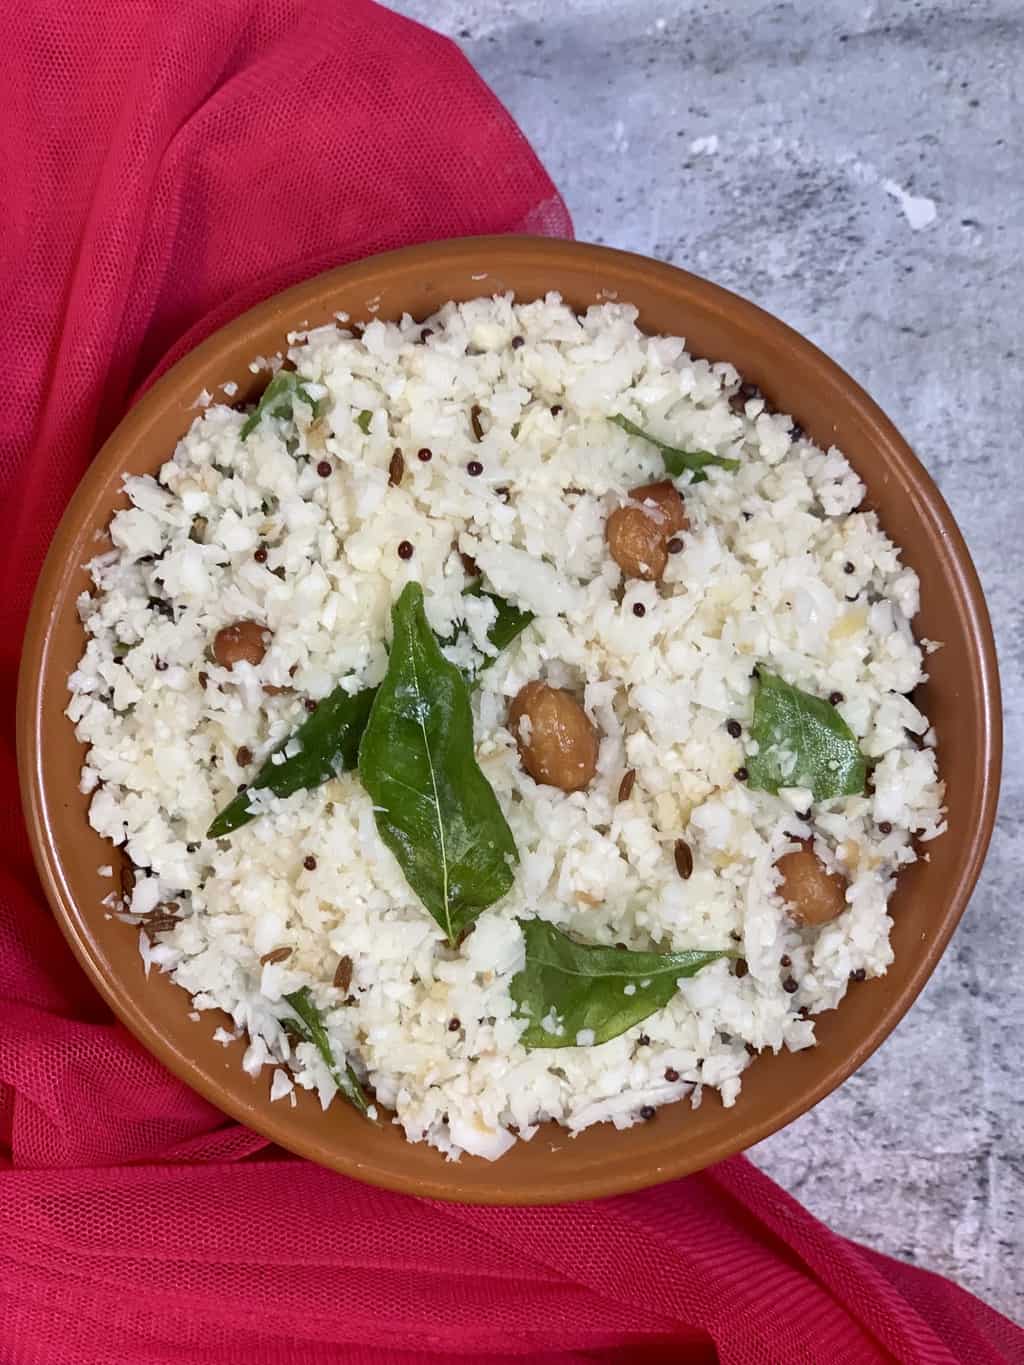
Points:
(309, 1025)
(277, 401)
(509, 622)
(577, 995)
(325, 744)
(802, 741)
(435, 809)
(678, 461)
(363, 421)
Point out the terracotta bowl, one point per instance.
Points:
(961, 698)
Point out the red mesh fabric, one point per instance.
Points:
(163, 164)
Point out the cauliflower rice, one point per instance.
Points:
(298, 528)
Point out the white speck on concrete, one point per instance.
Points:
(918, 210)
(705, 146)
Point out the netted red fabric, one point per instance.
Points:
(165, 163)
(277, 1261)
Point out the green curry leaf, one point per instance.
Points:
(435, 809)
(325, 744)
(363, 421)
(278, 400)
(309, 1025)
(802, 741)
(678, 461)
(509, 622)
(579, 995)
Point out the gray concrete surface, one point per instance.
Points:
(855, 168)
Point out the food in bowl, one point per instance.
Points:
(505, 720)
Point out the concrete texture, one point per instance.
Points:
(854, 168)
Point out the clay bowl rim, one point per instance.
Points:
(200, 369)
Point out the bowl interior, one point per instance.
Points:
(961, 699)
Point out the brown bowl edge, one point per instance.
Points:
(284, 312)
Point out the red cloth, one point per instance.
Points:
(164, 163)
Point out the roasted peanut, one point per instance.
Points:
(814, 895)
(246, 640)
(637, 543)
(638, 534)
(665, 505)
(557, 741)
